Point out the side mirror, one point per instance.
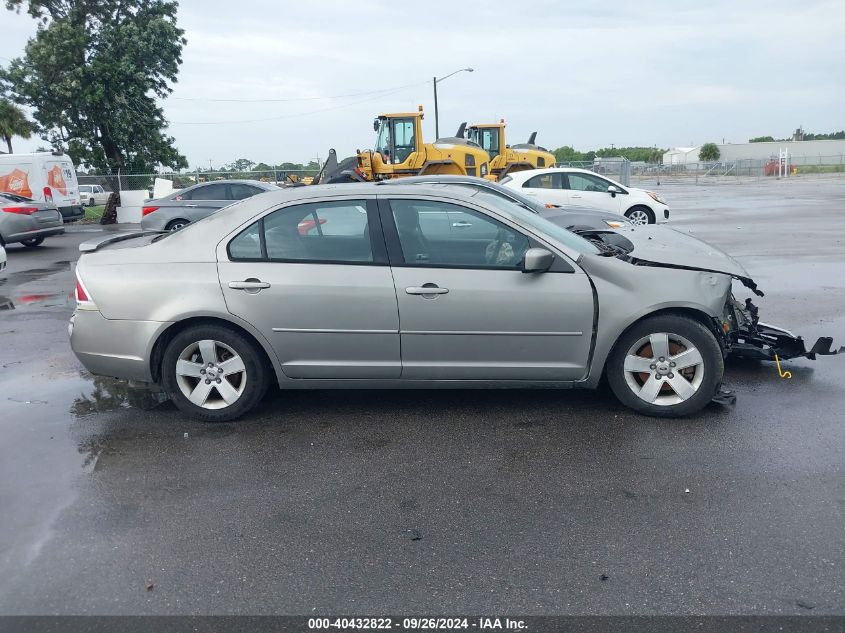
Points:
(613, 190)
(375, 125)
(537, 260)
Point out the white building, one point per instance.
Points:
(681, 156)
(800, 152)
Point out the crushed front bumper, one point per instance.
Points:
(748, 337)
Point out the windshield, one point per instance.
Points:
(383, 138)
(487, 138)
(540, 224)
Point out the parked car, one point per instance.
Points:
(369, 297)
(568, 185)
(92, 195)
(182, 207)
(572, 217)
(27, 221)
(44, 177)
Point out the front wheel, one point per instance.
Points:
(640, 215)
(214, 373)
(32, 243)
(666, 366)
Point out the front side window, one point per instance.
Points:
(544, 181)
(587, 182)
(207, 192)
(324, 232)
(448, 235)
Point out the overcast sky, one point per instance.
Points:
(587, 74)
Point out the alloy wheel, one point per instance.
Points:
(210, 374)
(664, 369)
(638, 217)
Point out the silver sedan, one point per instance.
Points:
(182, 207)
(380, 287)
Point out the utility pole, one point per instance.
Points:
(434, 82)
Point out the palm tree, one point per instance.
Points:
(13, 122)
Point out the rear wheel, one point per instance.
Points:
(666, 366)
(175, 225)
(640, 215)
(32, 243)
(214, 373)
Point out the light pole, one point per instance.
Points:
(435, 82)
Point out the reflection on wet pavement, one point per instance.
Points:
(109, 394)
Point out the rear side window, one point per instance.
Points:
(544, 181)
(239, 191)
(319, 232)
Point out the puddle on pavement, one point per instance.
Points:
(39, 300)
(22, 276)
(110, 394)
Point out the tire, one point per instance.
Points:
(185, 373)
(32, 243)
(640, 215)
(176, 225)
(651, 390)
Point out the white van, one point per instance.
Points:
(44, 176)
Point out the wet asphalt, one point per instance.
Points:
(437, 502)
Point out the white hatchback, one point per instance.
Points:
(568, 185)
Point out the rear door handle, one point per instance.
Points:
(575, 195)
(190, 205)
(461, 225)
(249, 284)
(426, 290)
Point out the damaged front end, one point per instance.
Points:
(748, 337)
(743, 334)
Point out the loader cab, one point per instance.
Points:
(398, 136)
(489, 137)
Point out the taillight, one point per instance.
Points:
(148, 210)
(83, 297)
(21, 210)
(48, 195)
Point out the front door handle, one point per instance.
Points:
(426, 290)
(575, 195)
(249, 285)
(461, 225)
(190, 205)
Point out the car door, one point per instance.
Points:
(466, 309)
(591, 191)
(548, 188)
(315, 280)
(202, 201)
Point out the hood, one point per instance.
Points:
(664, 246)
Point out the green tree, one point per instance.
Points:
(708, 152)
(761, 139)
(93, 72)
(13, 122)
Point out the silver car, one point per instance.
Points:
(27, 221)
(361, 285)
(182, 207)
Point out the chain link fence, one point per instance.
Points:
(619, 169)
(732, 171)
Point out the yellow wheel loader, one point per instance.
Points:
(507, 158)
(400, 151)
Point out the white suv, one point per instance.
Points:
(91, 195)
(568, 186)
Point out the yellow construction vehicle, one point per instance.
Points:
(400, 151)
(507, 158)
